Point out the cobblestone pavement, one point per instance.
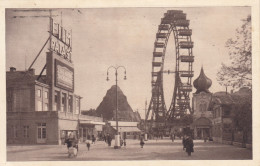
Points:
(153, 150)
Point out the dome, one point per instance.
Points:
(202, 83)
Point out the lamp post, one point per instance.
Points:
(145, 132)
(117, 136)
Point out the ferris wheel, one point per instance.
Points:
(174, 22)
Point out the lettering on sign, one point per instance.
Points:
(64, 76)
(61, 41)
(61, 49)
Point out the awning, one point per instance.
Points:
(90, 122)
(127, 129)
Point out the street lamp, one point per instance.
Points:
(117, 136)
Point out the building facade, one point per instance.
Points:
(43, 109)
(226, 109)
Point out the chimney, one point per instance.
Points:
(32, 71)
(12, 69)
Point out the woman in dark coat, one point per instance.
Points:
(189, 145)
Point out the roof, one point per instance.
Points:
(19, 76)
(202, 83)
(224, 98)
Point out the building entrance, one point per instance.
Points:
(41, 133)
(203, 133)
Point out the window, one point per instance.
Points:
(63, 102)
(41, 130)
(39, 93)
(25, 131)
(15, 131)
(56, 105)
(70, 104)
(46, 106)
(39, 105)
(46, 95)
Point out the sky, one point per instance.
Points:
(102, 37)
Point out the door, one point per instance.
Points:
(41, 133)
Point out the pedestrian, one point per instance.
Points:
(93, 139)
(105, 138)
(142, 142)
(184, 141)
(189, 145)
(88, 145)
(108, 140)
(124, 142)
(121, 142)
(172, 137)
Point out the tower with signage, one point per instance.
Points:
(60, 69)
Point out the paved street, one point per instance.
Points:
(153, 150)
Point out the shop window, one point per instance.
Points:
(39, 93)
(26, 131)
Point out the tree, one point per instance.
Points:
(239, 72)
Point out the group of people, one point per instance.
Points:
(108, 139)
(188, 144)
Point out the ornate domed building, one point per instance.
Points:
(202, 119)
